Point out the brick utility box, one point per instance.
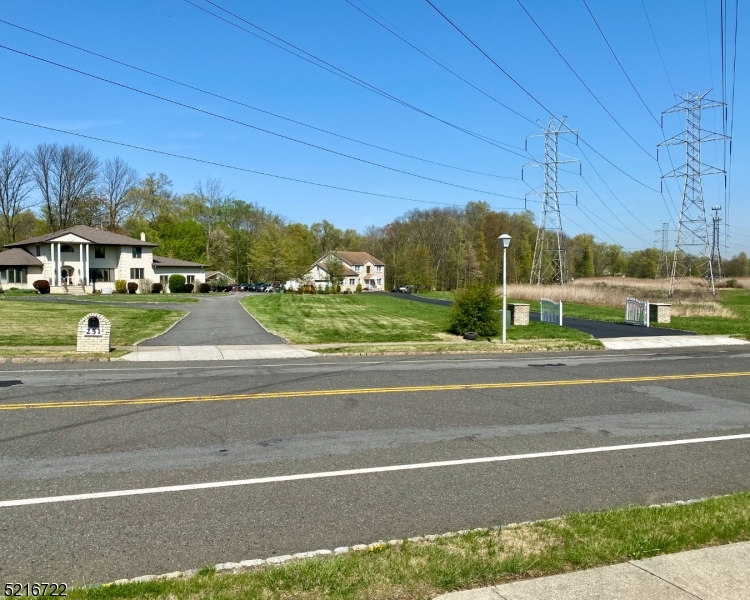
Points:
(519, 313)
(659, 313)
(94, 333)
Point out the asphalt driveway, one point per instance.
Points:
(217, 320)
(598, 329)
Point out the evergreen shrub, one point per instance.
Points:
(476, 308)
(132, 287)
(177, 284)
(121, 286)
(204, 288)
(157, 288)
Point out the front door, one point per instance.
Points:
(66, 274)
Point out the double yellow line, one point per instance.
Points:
(365, 391)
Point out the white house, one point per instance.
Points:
(360, 268)
(75, 258)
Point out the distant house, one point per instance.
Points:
(216, 275)
(359, 268)
(72, 259)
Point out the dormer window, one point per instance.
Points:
(137, 252)
(67, 248)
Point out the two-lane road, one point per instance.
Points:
(116, 470)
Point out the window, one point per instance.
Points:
(12, 275)
(368, 268)
(136, 273)
(357, 268)
(380, 282)
(38, 250)
(99, 252)
(137, 252)
(101, 275)
(379, 268)
(164, 280)
(352, 281)
(189, 278)
(67, 248)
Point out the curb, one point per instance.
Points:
(54, 359)
(256, 563)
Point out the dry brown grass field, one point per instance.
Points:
(691, 299)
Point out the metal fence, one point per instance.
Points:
(551, 311)
(636, 312)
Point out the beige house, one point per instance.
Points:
(72, 259)
(359, 268)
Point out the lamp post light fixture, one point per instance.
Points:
(504, 242)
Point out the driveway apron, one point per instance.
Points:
(217, 320)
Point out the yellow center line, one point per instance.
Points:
(364, 391)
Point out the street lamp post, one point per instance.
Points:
(504, 242)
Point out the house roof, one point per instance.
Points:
(92, 234)
(358, 258)
(18, 257)
(165, 261)
(347, 271)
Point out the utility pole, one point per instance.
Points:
(691, 250)
(716, 244)
(662, 269)
(550, 263)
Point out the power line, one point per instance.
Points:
(255, 108)
(534, 98)
(624, 72)
(731, 125)
(233, 167)
(658, 50)
(326, 66)
(244, 124)
(588, 89)
(437, 62)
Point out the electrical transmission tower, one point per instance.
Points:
(691, 250)
(716, 244)
(662, 269)
(550, 263)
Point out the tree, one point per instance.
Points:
(335, 269)
(269, 256)
(16, 183)
(65, 177)
(207, 203)
(152, 197)
(118, 181)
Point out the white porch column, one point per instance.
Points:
(59, 263)
(53, 264)
(88, 266)
(81, 271)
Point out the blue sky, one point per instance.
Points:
(178, 40)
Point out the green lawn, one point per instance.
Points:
(439, 295)
(55, 324)
(421, 570)
(125, 298)
(322, 318)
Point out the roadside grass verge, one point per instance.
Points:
(56, 324)
(323, 318)
(476, 347)
(52, 355)
(421, 570)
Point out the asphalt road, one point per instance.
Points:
(597, 329)
(74, 429)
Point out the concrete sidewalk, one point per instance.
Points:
(720, 573)
(689, 341)
(236, 352)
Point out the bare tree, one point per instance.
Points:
(15, 186)
(118, 178)
(65, 177)
(212, 200)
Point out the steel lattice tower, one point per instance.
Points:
(550, 263)
(662, 269)
(691, 250)
(716, 244)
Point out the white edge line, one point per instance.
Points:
(365, 471)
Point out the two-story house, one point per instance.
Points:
(75, 258)
(359, 268)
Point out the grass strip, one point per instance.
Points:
(477, 347)
(423, 569)
(56, 324)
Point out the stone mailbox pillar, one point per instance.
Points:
(659, 312)
(94, 332)
(519, 313)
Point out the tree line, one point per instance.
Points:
(57, 186)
